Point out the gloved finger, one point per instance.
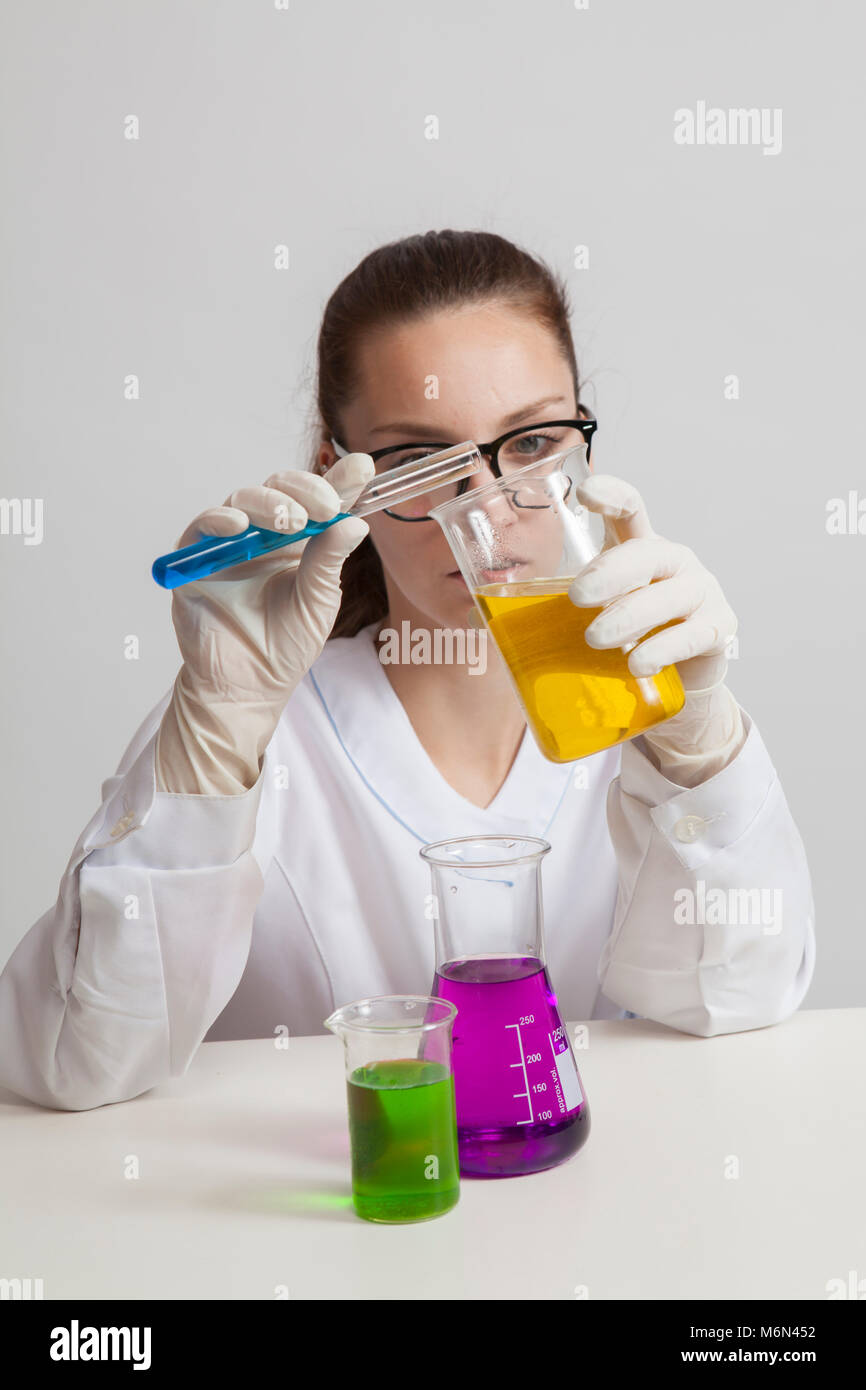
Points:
(697, 636)
(270, 508)
(216, 521)
(324, 495)
(316, 496)
(350, 475)
(315, 592)
(619, 502)
(703, 673)
(628, 566)
(324, 554)
(633, 616)
(331, 547)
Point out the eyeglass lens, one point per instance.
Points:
(532, 445)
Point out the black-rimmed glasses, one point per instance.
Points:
(513, 450)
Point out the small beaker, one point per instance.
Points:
(521, 1106)
(519, 542)
(402, 1117)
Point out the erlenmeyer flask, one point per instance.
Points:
(521, 1106)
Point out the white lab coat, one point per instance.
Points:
(182, 918)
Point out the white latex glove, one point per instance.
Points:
(249, 634)
(708, 731)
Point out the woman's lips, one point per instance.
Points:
(503, 574)
(493, 576)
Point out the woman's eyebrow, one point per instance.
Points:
(427, 431)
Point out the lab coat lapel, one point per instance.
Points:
(378, 737)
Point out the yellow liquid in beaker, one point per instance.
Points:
(577, 699)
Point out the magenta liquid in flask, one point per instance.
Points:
(520, 1102)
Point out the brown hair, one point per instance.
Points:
(405, 280)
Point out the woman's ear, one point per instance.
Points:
(326, 457)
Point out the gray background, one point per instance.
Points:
(307, 127)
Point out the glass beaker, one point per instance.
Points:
(521, 1106)
(402, 1117)
(519, 542)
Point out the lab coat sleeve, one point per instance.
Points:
(714, 922)
(113, 989)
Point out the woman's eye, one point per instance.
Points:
(393, 461)
(531, 443)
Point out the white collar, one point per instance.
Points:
(377, 736)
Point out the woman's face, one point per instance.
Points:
(495, 369)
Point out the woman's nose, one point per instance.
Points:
(496, 503)
(484, 476)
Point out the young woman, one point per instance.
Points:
(254, 863)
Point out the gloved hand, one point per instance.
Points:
(249, 634)
(708, 731)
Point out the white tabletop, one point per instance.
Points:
(244, 1188)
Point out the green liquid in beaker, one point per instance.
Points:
(403, 1129)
